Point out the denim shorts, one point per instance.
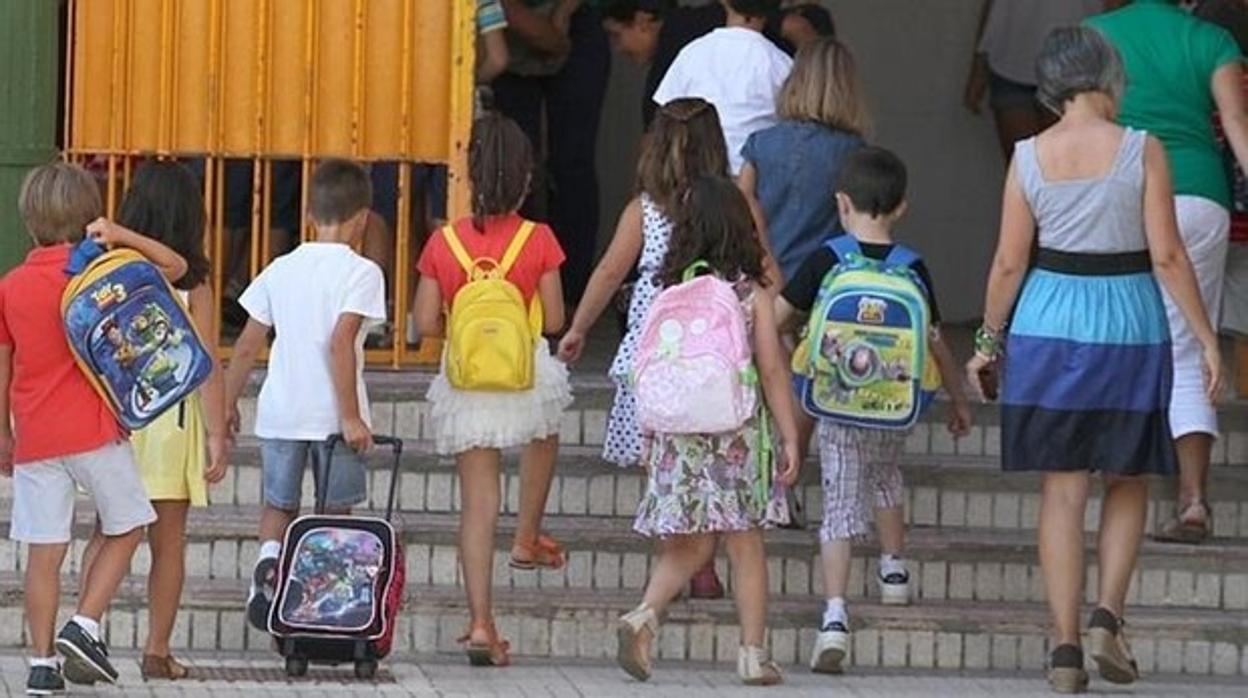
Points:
(284, 462)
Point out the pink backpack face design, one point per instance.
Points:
(694, 372)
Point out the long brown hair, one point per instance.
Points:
(685, 142)
(823, 88)
(500, 165)
(714, 225)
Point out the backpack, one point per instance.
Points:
(694, 371)
(863, 358)
(491, 334)
(130, 334)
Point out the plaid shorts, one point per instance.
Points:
(861, 473)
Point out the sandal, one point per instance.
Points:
(1185, 530)
(544, 553)
(490, 651)
(156, 667)
(635, 632)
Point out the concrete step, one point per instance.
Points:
(955, 636)
(945, 565)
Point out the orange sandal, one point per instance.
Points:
(490, 651)
(544, 553)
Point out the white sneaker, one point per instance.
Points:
(830, 647)
(895, 589)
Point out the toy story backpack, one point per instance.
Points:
(130, 333)
(694, 370)
(863, 359)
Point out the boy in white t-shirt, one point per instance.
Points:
(321, 300)
(735, 68)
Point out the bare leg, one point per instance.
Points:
(1122, 527)
(478, 518)
(43, 594)
(805, 430)
(537, 469)
(167, 538)
(679, 558)
(1194, 452)
(749, 584)
(274, 522)
(1062, 504)
(890, 525)
(835, 556)
(88, 558)
(110, 565)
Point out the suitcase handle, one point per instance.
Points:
(395, 443)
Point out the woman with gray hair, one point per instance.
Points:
(1087, 375)
(1180, 69)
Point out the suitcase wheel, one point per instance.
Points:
(296, 667)
(366, 669)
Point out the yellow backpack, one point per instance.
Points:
(490, 333)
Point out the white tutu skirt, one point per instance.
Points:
(461, 420)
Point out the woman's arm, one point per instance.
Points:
(1009, 265)
(1228, 94)
(542, 33)
(1170, 262)
(111, 234)
(977, 75)
(776, 382)
(620, 257)
(216, 421)
(493, 56)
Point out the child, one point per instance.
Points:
(734, 68)
(185, 449)
(320, 300)
(62, 435)
(860, 466)
(791, 168)
(703, 486)
(685, 143)
(475, 426)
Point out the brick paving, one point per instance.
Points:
(446, 678)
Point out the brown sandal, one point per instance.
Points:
(544, 553)
(490, 651)
(1186, 531)
(167, 668)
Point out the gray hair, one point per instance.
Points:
(1075, 60)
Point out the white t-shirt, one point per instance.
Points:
(301, 295)
(740, 72)
(1016, 29)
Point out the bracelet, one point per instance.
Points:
(988, 342)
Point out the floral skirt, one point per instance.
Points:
(709, 483)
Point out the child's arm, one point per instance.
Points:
(550, 292)
(788, 318)
(213, 391)
(951, 378)
(247, 349)
(747, 182)
(6, 425)
(777, 386)
(427, 308)
(108, 233)
(620, 257)
(343, 368)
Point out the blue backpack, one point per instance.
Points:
(863, 358)
(130, 334)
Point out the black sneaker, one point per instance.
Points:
(260, 596)
(79, 674)
(88, 654)
(45, 681)
(1066, 672)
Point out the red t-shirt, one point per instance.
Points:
(541, 254)
(56, 412)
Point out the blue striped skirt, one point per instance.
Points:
(1087, 376)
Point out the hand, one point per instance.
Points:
(790, 466)
(976, 85)
(355, 432)
(960, 419)
(973, 368)
(1214, 375)
(6, 455)
(218, 454)
(108, 233)
(571, 346)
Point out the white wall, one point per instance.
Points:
(913, 56)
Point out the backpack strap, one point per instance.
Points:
(457, 250)
(692, 271)
(901, 256)
(843, 246)
(516, 246)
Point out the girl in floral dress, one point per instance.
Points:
(703, 487)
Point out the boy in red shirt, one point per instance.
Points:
(57, 434)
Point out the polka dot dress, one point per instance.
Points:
(623, 442)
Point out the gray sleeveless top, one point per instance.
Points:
(1090, 215)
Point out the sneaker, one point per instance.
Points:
(1109, 648)
(1066, 672)
(260, 595)
(87, 655)
(45, 681)
(830, 647)
(79, 674)
(895, 589)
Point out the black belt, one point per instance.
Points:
(1088, 264)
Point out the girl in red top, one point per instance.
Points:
(475, 426)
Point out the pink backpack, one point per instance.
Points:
(694, 372)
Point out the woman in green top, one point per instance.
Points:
(1181, 69)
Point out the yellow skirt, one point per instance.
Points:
(172, 453)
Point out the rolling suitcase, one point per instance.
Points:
(340, 584)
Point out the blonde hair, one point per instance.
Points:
(57, 201)
(823, 88)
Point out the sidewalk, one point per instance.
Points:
(446, 677)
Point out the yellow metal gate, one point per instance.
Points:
(237, 86)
